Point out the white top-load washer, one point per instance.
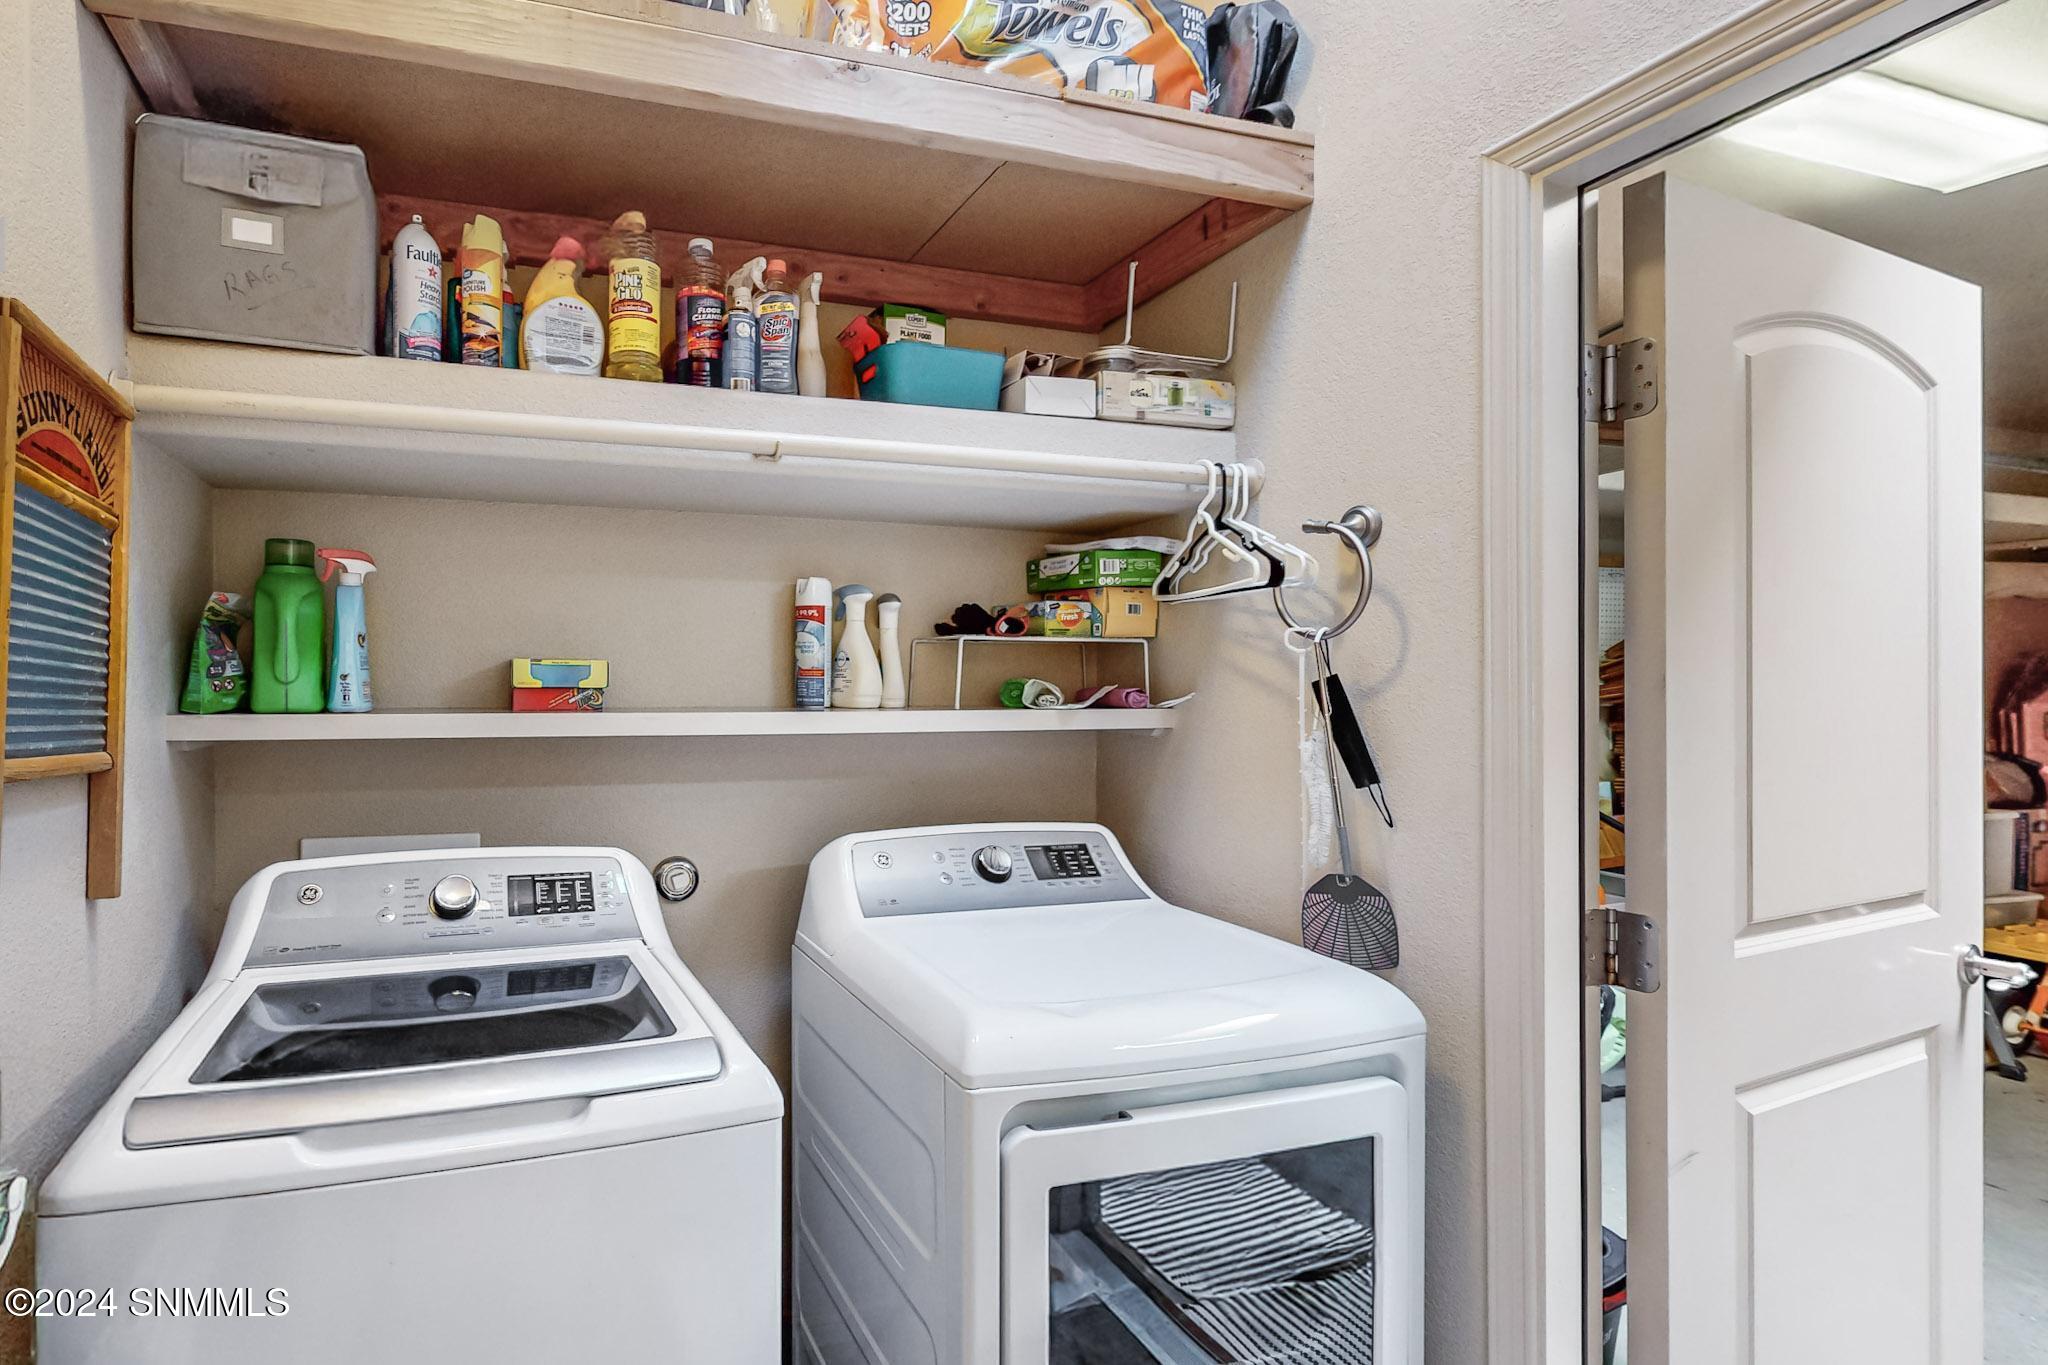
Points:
(1042, 1117)
(462, 1105)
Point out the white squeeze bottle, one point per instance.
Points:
(810, 348)
(888, 612)
(813, 644)
(856, 672)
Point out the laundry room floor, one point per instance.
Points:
(2015, 1210)
(2016, 1215)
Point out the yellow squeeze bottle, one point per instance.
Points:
(561, 332)
(635, 350)
(481, 262)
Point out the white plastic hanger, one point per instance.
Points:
(1205, 538)
(1237, 517)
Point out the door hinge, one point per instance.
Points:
(1619, 380)
(1623, 949)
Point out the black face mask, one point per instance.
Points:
(1251, 56)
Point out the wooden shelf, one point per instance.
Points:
(187, 732)
(255, 417)
(2015, 521)
(980, 195)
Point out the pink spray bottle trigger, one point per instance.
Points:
(348, 561)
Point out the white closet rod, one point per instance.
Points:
(163, 400)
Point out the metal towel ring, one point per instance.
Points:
(1360, 529)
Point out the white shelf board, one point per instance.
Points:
(184, 731)
(262, 418)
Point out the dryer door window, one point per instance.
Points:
(1269, 1251)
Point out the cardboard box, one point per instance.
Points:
(558, 699)
(1047, 397)
(1170, 400)
(1065, 617)
(1093, 569)
(1125, 613)
(595, 673)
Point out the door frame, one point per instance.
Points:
(1532, 585)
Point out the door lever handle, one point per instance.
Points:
(1975, 966)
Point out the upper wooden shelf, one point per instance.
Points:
(977, 194)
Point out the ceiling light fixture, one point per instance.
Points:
(1873, 124)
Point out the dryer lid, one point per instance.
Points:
(1011, 997)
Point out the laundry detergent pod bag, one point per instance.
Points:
(1154, 51)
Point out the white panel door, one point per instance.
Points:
(1804, 730)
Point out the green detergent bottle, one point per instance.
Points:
(285, 672)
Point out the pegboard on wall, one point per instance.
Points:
(64, 486)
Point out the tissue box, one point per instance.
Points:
(1086, 569)
(238, 235)
(1123, 613)
(561, 673)
(1172, 400)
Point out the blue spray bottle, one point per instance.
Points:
(348, 666)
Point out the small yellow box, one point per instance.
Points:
(561, 673)
(1120, 613)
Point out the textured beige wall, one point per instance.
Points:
(692, 611)
(85, 986)
(1359, 373)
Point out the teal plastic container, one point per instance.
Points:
(935, 376)
(285, 672)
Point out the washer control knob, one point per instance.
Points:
(993, 863)
(454, 896)
(454, 993)
(676, 878)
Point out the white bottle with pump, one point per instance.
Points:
(856, 671)
(888, 614)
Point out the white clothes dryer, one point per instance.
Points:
(1042, 1117)
(462, 1105)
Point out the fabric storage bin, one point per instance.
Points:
(238, 235)
(936, 376)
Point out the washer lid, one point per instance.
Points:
(312, 1051)
(1013, 997)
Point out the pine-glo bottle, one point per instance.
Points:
(635, 349)
(700, 317)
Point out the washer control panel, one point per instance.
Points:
(931, 874)
(441, 904)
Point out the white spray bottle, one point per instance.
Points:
(810, 354)
(348, 664)
(856, 672)
(888, 612)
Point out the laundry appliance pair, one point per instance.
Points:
(470, 1105)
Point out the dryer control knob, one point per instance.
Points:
(454, 896)
(993, 863)
(452, 993)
